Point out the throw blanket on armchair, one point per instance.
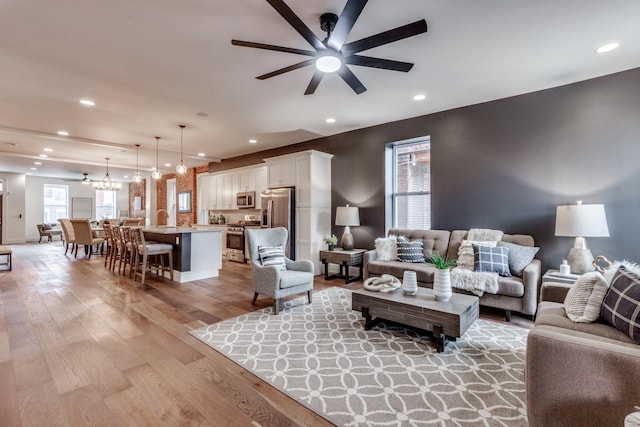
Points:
(476, 282)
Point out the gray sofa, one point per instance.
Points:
(578, 374)
(514, 294)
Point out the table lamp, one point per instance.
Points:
(347, 216)
(581, 221)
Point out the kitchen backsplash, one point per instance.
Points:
(231, 216)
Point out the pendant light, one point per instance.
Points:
(136, 177)
(107, 184)
(156, 173)
(181, 169)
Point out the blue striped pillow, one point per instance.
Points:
(272, 255)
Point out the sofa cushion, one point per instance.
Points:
(510, 286)
(519, 256)
(584, 299)
(411, 251)
(554, 314)
(386, 248)
(424, 272)
(621, 306)
(494, 260)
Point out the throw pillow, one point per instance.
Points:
(621, 306)
(411, 251)
(584, 300)
(272, 255)
(465, 253)
(493, 260)
(386, 248)
(519, 256)
(484, 234)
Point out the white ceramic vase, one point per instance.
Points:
(409, 283)
(442, 285)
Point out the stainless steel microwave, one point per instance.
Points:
(246, 200)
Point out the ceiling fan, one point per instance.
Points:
(332, 54)
(84, 180)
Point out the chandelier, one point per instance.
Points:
(107, 184)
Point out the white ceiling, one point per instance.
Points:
(153, 64)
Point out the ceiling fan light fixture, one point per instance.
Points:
(328, 63)
(181, 169)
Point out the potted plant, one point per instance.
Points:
(442, 276)
(331, 242)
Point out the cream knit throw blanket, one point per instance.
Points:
(477, 282)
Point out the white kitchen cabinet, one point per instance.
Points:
(261, 183)
(281, 171)
(247, 180)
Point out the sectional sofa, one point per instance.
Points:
(515, 293)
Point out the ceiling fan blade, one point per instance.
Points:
(351, 79)
(286, 69)
(315, 81)
(347, 18)
(385, 64)
(273, 47)
(293, 20)
(385, 37)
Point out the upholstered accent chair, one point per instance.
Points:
(271, 280)
(45, 230)
(68, 237)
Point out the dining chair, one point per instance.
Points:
(84, 236)
(108, 236)
(155, 251)
(69, 237)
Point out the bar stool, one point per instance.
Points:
(145, 250)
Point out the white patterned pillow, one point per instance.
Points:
(584, 300)
(387, 248)
(465, 253)
(272, 255)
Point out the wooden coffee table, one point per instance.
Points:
(445, 320)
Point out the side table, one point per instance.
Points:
(346, 259)
(555, 286)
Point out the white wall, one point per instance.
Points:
(34, 201)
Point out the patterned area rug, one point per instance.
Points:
(321, 356)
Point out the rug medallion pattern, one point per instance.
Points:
(320, 355)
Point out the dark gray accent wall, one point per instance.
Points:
(507, 164)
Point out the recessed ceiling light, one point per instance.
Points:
(44, 156)
(331, 120)
(126, 176)
(87, 102)
(202, 114)
(48, 150)
(34, 169)
(168, 165)
(29, 173)
(201, 154)
(37, 163)
(607, 47)
(253, 141)
(419, 97)
(63, 133)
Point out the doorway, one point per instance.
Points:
(171, 202)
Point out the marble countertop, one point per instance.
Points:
(179, 230)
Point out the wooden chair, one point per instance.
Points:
(155, 250)
(110, 245)
(69, 237)
(84, 236)
(126, 257)
(132, 222)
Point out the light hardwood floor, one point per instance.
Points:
(81, 345)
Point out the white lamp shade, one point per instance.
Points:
(581, 221)
(347, 215)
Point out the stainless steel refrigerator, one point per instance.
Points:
(279, 210)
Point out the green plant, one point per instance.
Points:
(333, 240)
(442, 262)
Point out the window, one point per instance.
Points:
(56, 203)
(105, 204)
(411, 196)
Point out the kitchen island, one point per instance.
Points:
(197, 251)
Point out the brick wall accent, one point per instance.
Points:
(186, 182)
(136, 189)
